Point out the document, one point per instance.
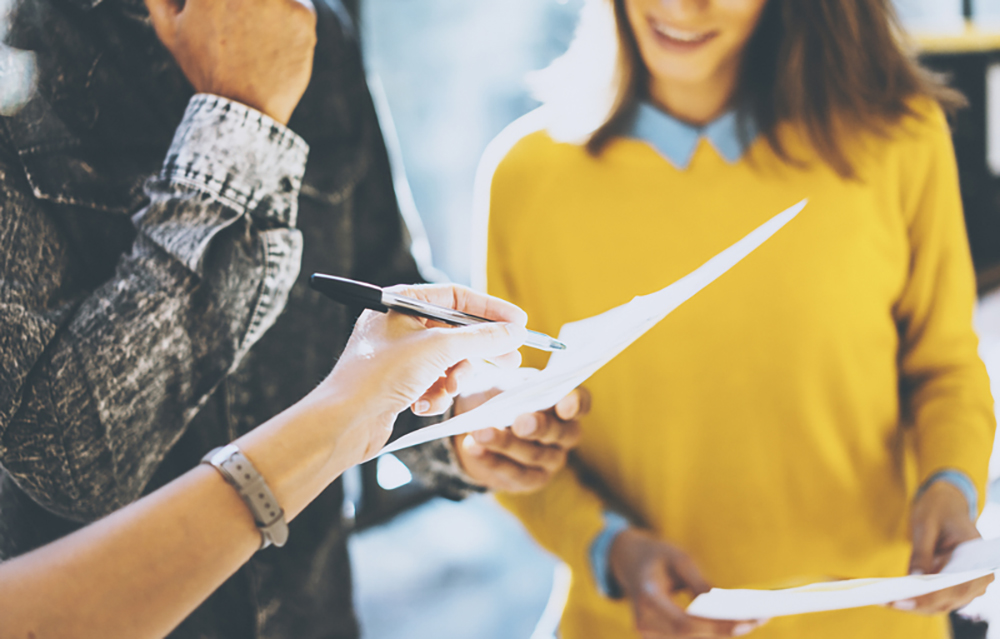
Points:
(593, 342)
(971, 560)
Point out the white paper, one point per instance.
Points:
(970, 560)
(593, 342)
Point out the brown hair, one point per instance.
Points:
(827, 65)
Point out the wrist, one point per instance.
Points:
(957, 482)
(299, 451)
(618, 553)
(600, 555)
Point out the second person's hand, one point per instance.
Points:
(524, 457)
(940, 521)
(651, 572)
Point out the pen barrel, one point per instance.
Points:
(430, 311)
(349, 292)
(458, 318)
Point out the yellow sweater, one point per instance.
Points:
(775, 426)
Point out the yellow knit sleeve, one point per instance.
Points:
(564, 517)
(946, 391)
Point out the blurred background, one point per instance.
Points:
(452, 75)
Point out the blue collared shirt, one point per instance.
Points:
(677, 142)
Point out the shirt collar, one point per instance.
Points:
(677, 141)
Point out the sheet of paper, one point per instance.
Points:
(970, 560)
(593, 342)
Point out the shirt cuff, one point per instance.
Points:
(962, 482)
(600, 554)
(240, 155)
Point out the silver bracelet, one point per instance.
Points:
(241, 475)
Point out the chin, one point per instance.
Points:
(680, 73)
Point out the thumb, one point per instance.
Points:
(687, 574)
(925, 537)
(486, 340)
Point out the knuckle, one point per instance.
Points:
(492, 462)
(538, 455)
(503, 440)
(555, 458)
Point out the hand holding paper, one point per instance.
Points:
(941, 519)
(972, 560)
(593, 342)
(524, 457)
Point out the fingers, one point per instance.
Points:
(658, 615)
(574, 405)
(457, 375)
(525, 453)
(498, 472)
(434, 401)
(466, 300)
(545, 428)
(686, 573)
(925, 538)
(946, 600)
(508, 360)
(496, 341)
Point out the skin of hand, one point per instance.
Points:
(939, 522)
(650, 572)
(257, 52)
(524, 457)
(140, 571)
(396, 361)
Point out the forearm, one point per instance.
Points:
(98, 392)
(160, 557)
(140, 571)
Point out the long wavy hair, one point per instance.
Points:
(833, 67)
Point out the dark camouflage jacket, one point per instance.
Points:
(154, 252)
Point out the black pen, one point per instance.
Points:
(370, 296)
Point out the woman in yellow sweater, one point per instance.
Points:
(820, 412)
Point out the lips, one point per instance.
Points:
(679, 39)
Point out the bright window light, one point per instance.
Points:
(392, 473)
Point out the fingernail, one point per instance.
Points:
(904, 604)
(422, 406)
(484, 436)
(916, 572)
(525, 425)
(472, 448)
(743, 628)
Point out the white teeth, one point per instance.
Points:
(676, 34)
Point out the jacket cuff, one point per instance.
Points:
(240, 155)
(600, 554)
(962, 482)
(245, 161)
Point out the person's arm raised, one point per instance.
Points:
(99, 380)
(256, 52)
(140, 571)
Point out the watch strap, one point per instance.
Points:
(243, 476)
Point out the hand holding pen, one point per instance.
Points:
(372, 297)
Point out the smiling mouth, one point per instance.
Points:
(680, 37)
